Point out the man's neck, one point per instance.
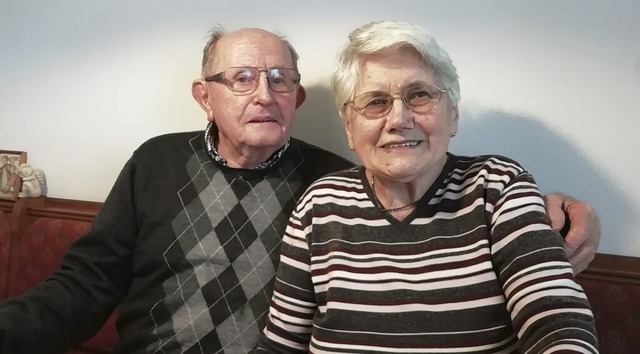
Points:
(245, 157)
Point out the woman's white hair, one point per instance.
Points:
(384, 36)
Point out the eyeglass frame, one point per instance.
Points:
(396, 96)
(219, 77)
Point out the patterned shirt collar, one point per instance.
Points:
(210, 135)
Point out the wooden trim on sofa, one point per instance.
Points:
(613, 268)
(605, 267)
(6, 206)
(25, 209)
(67, 209)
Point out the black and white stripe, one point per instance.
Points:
(475, 268)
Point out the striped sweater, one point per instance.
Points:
(474, 268)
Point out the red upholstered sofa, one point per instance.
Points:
(612, 284)
(35, 232)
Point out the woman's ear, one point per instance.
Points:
(454, 120)
(347, 128)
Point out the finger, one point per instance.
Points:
(577, 235)
(583, 237)
(580, 259)
(554, 205)
(569, 250)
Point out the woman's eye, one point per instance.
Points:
(419, 94)
(377, 102)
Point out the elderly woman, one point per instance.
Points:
(419, 250)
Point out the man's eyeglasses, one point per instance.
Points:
(420, 98)
(246, 78)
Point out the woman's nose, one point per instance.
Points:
(400, 116)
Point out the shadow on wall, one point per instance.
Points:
(555, 162)
(318, 122)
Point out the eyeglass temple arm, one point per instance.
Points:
(216, 77)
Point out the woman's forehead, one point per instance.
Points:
(389, 74)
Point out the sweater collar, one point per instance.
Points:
(210, 136)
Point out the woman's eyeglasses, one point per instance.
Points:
(419, 98)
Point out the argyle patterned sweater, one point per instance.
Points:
(186, 247)
(475, 268)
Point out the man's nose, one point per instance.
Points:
(263, 90)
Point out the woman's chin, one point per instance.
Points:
(398, 173)
(404, 172)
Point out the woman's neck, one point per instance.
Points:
(397, 197)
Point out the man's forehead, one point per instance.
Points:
(253, 37)
(247, 32)
(242, 47)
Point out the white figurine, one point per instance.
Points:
(34, 183)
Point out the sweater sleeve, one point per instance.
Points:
(76, 300)
(549, 310)
(293, 305)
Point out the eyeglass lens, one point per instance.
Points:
(246, 78)
(420, 98)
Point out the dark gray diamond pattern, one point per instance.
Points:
(211, 281)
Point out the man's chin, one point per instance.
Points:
(268, 139)
(268, 144)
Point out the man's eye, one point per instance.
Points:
(277, 79)
(242, 78)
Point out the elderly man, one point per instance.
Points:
(187, 242)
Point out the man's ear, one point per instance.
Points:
(201, 95)
(300, 96)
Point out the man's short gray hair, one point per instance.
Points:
(218, 32)
(386, 36)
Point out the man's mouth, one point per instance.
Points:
(262, 120)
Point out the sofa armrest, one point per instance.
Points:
(41, 231)
(612, 284)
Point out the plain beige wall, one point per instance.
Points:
(555, 85)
